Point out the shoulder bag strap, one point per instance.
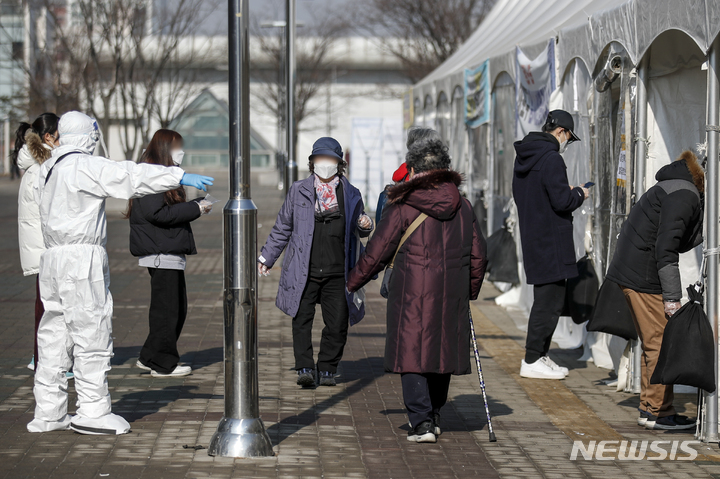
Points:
(413, 226)
(58, 161)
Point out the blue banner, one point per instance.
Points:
(477, 95)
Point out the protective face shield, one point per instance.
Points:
(79, 130)
(325, 169)
(177, 157)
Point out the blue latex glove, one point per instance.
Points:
(198, 181)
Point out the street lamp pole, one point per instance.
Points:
(241, 432)
(291, 167)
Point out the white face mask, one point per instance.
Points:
(177, 157)
(326, 169)
(563, 147)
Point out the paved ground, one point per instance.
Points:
(356, 429)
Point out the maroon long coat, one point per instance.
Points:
(438, 270)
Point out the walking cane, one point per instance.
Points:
(480, 376)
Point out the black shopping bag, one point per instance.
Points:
(611, 313)
(581, 292)
(502, 257)
(687, 355)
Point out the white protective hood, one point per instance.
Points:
(79, 130)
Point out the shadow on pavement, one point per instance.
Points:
(356, 374)
(136, 405)
(196, 359)
(450, 420)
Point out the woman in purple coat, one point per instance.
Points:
(320, 223)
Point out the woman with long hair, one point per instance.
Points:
(33, 145)
(160, 235)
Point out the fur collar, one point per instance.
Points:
(698, 175)
(430, 180)
(37, 147)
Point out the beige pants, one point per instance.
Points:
(648, 313)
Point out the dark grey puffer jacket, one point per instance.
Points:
(665, 222)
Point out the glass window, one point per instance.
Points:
(260, 161)
(204, 125)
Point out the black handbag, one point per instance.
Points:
(581, 292)
(687, 355)
(385, 286)
(502, 257)
(611, 313)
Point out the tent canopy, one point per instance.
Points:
(517, 22)
(583, 28)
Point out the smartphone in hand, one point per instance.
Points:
(588, 184)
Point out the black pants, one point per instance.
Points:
(424, 395)
(546, 309)
(168, 310)
(330, 293)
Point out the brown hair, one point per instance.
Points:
(158, 152)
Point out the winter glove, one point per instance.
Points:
(197, 181)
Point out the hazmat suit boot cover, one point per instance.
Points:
(110, 424)
(38, 425)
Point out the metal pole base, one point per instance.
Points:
(240, 438)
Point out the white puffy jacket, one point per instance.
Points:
(30, 237)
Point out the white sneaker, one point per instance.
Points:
(178, 372)
(539, 370)
(110, 424)
(140, 365)
(554, 365)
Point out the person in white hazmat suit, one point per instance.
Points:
(76, 328)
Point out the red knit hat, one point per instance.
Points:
(400, 173)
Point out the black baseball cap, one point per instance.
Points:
(562, 119)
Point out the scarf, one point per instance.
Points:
(326, 195)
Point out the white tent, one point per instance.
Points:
(663, 96)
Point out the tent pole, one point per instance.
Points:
(640, 169)
(469, 155)
(490, 183)
(641, 127)
(711, 220)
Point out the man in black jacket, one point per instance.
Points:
(545, 202)
(666, 221)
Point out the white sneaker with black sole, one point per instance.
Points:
(555, 365)
(140, 365)
(539, 370)
(178, 372)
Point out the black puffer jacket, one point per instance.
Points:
(159, 228)
(665, 222)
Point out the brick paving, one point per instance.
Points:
(356, 429)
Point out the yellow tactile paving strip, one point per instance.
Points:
(564, 409)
